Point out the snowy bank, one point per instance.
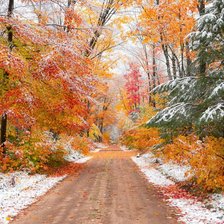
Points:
(192, 210)
(76, 157)
(177, 172)
(18, 190)
(153, 175)
(84, 159)
(97, 147)
(124, 148)
(100, 145)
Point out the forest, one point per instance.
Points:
(78, 76)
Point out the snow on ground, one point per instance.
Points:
(84, 159)
(77, 157)
(153, 175)
(96, 150)
(98, 147)
(192, 211)
(124, 148)
(174, 171)
(18, 190)
(218, 201)
(177, 172)
(74, 156)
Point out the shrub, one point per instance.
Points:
(31, 155)
(205, 158)
(182, 149)
(81, 144)
(208, 164)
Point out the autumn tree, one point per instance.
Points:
(5, 74)
(148, 56)
(166, 23)
(133, 86)
(197, 101)
(49, 61)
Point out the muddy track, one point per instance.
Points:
(110, 190)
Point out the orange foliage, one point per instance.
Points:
(81, 144)
(206, 159)
(208, 164)
(168, 22)
(31, 156)
(106, 137)
(141, 138)
(181, 148)
(50, 78)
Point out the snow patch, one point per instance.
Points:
(74, 155)
(196, 213)
(96, 150)
(157, 178)
(97, 147)
(177, 172)
(217, 201)
(153, 175)
(18, 190)
(100, 145)
(192, 211)
(83, 160)
(124, 148)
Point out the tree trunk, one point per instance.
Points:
(202, 62)
(10, 8)
(178, 67)
(164, 48)
(188, 59)
(149, 87)
(201, 7)
(202, 66)
(166, 54)
(174, 66)
(158, 80)
(154, 72)
(107, 11)
(182, 72)
(147, 72)
(3, 131)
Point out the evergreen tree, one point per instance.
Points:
(198, 100)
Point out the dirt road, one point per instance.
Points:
(110, 190)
